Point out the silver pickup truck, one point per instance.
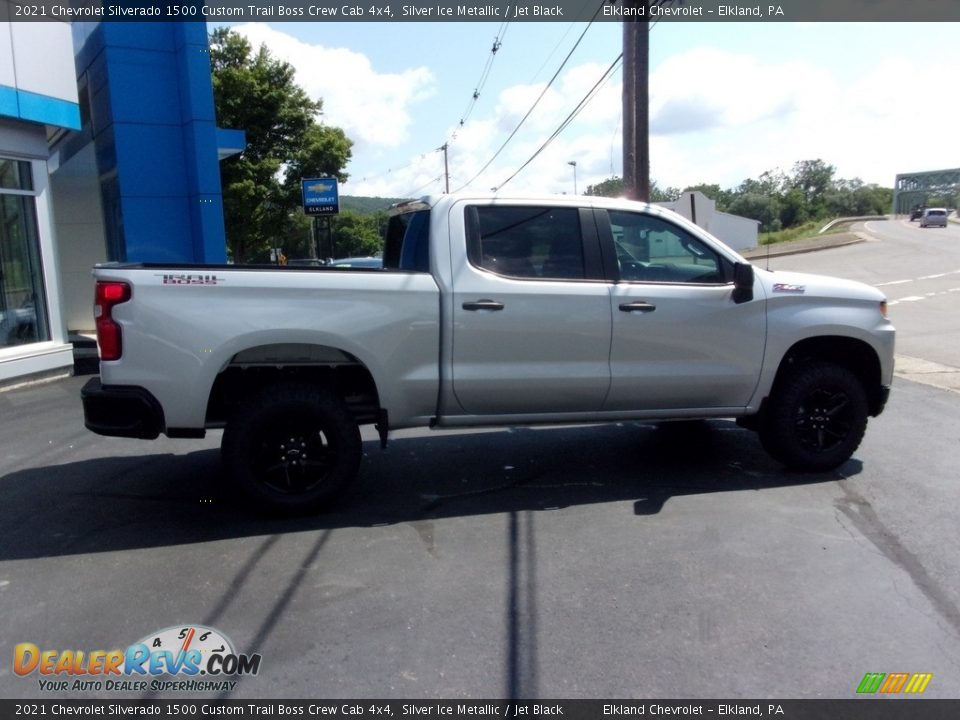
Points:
(487, 311)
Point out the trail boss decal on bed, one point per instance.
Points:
(170, 279)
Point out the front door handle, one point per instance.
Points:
(637, 306)
(483, 305)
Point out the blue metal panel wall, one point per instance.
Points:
(38, 108)
(153, 125)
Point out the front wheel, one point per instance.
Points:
(292, 447)
(816, 417)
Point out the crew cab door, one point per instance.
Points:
(531, 309)
(680, 341)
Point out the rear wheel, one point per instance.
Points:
(292, 447)
(816, 417)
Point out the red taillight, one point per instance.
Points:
(109, 335)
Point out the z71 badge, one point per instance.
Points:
(787, 288)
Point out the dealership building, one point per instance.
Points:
(109, 150)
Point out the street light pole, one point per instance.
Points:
(574, 164)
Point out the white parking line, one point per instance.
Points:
(917, 279)
(914, 298)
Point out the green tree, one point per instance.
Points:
(771, 182)
(255, 92)
(668, 194)
(356, 234)
(814, 178)
(613, 187)
(721, 197)
(793, 208)
(761, 207)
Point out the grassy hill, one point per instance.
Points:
(367, 205)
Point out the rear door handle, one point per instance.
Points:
(637, 306)
(483, 305)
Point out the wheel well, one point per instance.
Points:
(855, 355)
(251, 370)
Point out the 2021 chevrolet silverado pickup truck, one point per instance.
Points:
(487, 311)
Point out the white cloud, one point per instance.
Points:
(721, 117)
(588, 140)
(717, 117)
(373, 108)
(706, 89)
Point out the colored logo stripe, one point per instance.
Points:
(871, 683)
(894, 683)
(918, 683)
(913, 683)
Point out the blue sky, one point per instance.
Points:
(728, 100)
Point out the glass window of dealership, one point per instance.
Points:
(33, 110)
(23, 315)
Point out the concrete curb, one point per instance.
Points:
(927, 372)
(805, 245)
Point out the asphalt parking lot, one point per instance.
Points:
(619, 561)
(624, 560)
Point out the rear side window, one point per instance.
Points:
(526, 242)
(408, 242)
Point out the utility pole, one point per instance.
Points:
(446, 168)
(636, 113)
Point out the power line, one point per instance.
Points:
(414, 193)
(485, 73)
(481, 83)
(613, 138)
(383, 173)
(550, 55)
(570, 117)
(536, 102)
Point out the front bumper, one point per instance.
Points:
(880, 402)
(121, 410)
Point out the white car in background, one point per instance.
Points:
(934, 217)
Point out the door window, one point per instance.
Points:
(650, 249)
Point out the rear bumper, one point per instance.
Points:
(121, 411)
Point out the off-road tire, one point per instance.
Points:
(291, 448)
(816, 416)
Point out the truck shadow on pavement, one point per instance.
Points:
(118, 503)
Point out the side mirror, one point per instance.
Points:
(742, 283)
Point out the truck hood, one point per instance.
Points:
(779, 283)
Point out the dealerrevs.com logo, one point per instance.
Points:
(187, 658)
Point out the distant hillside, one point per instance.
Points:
(367, 205)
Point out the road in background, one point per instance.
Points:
(918, 269)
